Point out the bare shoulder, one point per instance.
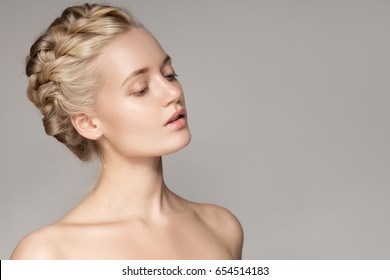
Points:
(224, 224)
(38, 245)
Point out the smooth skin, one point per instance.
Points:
(131, 214)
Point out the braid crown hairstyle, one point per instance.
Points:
(61, 67)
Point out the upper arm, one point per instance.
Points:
(228, 228)
(35, 246)
(233, 233)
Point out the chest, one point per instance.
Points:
(189, 240)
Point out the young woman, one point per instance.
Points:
(105, 86)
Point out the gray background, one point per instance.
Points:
(289, 111)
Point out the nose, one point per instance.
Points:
(171, 91)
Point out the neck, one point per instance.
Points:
(132, 188)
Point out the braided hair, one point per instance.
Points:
(63, 77)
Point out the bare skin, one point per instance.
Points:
(105, 227)
(132, 214)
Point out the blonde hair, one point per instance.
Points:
(61, 69)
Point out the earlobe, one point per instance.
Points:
(86, 126)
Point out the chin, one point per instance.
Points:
(178, 143)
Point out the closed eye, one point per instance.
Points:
(171, 77)
(141, 92)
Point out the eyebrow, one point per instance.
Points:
(145, 70)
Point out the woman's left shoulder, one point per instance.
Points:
(224, 224)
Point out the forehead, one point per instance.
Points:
(131, 51)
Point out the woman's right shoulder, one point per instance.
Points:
(38, 245)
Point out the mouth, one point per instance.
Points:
(177, 119)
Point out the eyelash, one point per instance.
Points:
(141, 92)
(170, 77)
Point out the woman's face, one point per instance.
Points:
(141, 110)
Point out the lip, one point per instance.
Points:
(178, 119)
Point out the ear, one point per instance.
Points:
(86, 126)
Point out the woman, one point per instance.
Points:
(105, 86)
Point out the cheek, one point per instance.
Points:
(130, 121)
(131, 128)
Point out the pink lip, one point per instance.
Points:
(177, 120)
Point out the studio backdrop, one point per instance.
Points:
(288, 105)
